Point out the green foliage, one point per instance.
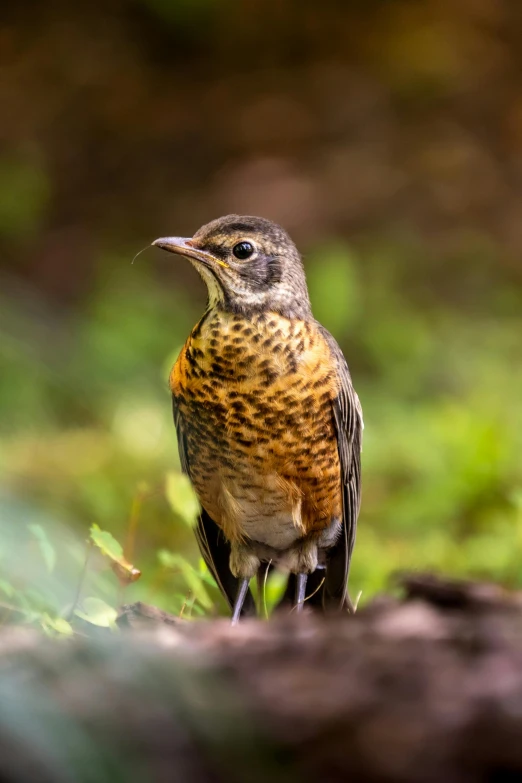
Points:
(194, 579)
(106, 543)
(181, 497)
(55, 626)
(335, 288)
(97, 612)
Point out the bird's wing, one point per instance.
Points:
(214, 548)
(349, 426)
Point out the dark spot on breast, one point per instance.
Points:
(240, 420)
(269, 379)
(243, 442)
(247, 361)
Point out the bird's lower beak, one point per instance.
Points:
(184, 246)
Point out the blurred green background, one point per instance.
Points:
(386, 136)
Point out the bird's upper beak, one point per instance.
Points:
(184, 246)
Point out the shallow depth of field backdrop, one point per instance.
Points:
(386, 136)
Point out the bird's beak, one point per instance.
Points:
(184, 246)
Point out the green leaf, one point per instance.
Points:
(112, 549)
(97, 612)
(55, 624)
(204, 573)
(181, 497)
(106, 543)
(275, 587)
(46, 548)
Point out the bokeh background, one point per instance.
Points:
(386, 136)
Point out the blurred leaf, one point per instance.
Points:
(275, 586)
(205, 574)
(112, 549)
(56, 624)
(46, 548)
(181, 497)
(192, 577)
(106, 543)
(97, 612)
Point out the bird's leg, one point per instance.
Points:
(300, 591)
(244, 564)
(302, 561)
(240, 599)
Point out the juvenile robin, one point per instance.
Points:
(269, 425)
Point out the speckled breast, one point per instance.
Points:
(255, 403)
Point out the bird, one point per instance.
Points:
(269, 426)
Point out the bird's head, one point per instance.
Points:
(248, 263)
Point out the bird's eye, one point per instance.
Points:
(243, 250)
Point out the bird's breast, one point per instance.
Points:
(255, 398)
